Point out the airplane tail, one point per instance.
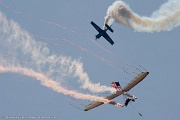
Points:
(98, 36)
(109, 28)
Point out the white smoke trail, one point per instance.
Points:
(16, 42)
(83, 77)
(49, 83)
(164, 19)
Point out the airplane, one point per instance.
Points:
(103, 32)
(119, 92)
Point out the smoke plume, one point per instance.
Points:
(164, 19)
(45, 81)
(20, 53)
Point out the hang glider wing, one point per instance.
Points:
(135, 81)
(129, 86)
(97, 103)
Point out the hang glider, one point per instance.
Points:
(123, 91)
(103, 32)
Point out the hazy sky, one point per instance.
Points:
(60, 31)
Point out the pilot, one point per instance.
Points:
(127, 101)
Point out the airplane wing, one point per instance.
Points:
(96, 27)
(106, 36)
(129, 86)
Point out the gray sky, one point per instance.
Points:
(157, 52)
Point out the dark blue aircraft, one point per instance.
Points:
(103, 32)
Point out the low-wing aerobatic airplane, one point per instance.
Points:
(120, 91)
(103, 32)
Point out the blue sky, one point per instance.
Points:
(157, 52)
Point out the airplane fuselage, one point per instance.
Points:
(103, 32)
